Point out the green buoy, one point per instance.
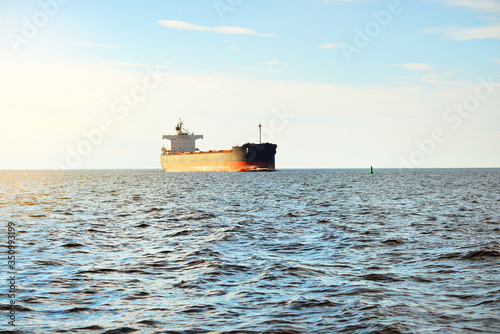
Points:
(371, 169)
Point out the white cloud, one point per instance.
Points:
(259, 69)
(465, 34)
(1, 22)
(98, 45)
(490, 12)
(415, 66)
(446, 83)
(119, 63)
(497, 60)
(181, 25)
(329, 46)
(430, 76)
(271, 62)
(127, 64)
(484, 5)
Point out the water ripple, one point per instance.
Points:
(295, 251)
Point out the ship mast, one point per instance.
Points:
(260, 133)
(179, 129)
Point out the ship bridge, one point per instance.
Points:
(183, 141)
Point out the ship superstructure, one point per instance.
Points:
(182, 142)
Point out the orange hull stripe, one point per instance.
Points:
(226, 166)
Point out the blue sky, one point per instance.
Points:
(336, 84)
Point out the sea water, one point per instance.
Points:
(292, 251)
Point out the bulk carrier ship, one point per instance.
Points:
(181, 155)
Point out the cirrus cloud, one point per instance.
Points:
(485, 5)
(98, 45)
(489, 10)
(226, 30)
(466, 34)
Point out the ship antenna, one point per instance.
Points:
(179, 128)
(260, 133)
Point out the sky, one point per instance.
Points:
(334, 83)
